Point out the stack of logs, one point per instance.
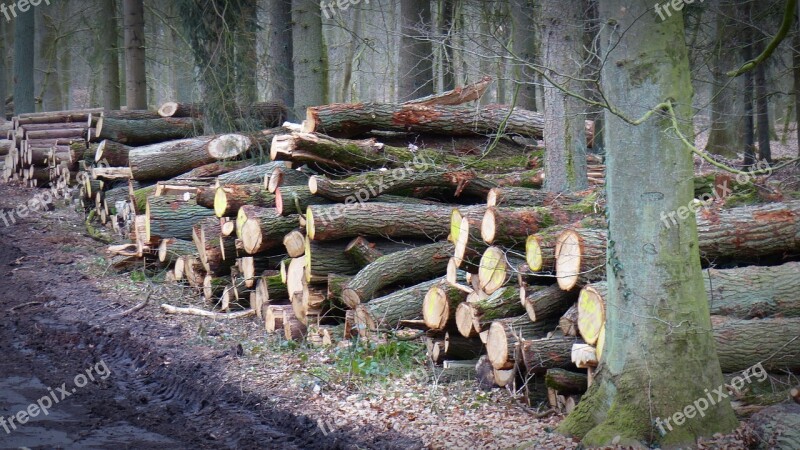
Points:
(371, 218)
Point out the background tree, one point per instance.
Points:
(561, 25)
(136, 77)
(659, 353)
(47, 82)
(280, 51)
(107, 45)
(415, 64)
(24, 29)
(524, 47)
(309, 55)
(3, 70)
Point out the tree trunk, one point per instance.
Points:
(440, 304)
(171, 249)
(525, 48)
(762, 108)
(348, 120)
(24, 31)
(296, 199)
(329, 222)
(655, 278)
(246, 54)
(725, 135)
(310, 61)
(229, 198)
(511, 196)
(539, 355)
(135, 75)
(168, 159)
(405, 266)
(141, 132)
(505, 334)
(280, 52)
(251, 174)
(546, 302)
(46, 62)
(114, 153)
(561, 26)
(385, 313)
(772, 342)
(473, 317)
(3, 71)
(747, 55)
(508, 226)
(168, 217)
(416, 51)
(261, 229)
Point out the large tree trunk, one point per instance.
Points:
(280, 51)
(309, 56)
(656, 294)
(416, 51)
(564, 129)
(46, 62)
(762, 108)
(135, 75)
(524, 47)
(24, 27)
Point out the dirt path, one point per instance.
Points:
(158, 390)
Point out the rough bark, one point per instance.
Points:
(416, 50)
(24, 30)
(142, 132)
(135, 76)
(778, 427)
(473, 317)
(168, 159)
(348, 120)
(742, 344)
(580, 257)
(509, 226)
(385, 313)
(250, 174)
(539, 355)
(280, 51)
(378, 219)
(169, 217)
(262, 228)
(296, 199)
(309, 56)
(114, 153)
(405, 266)
(546, 302)
(230, 197)
(561, 26)
(440, 304)
(324, 258)
(655, 278)
(505, 334)
(524, 47)
(107, 41)
(566, 382)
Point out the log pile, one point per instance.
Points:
(371, 218)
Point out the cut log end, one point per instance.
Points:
(220, 202)
(310, 224)
(162, 250)
(488, 226)
(497, 346)
(251, 236)
(591, 315)
(492, 272)
(229, 146)
(461, 241)
(533, 254)
(465, 320)
(569, 249)
(435, 308)
(274, 180)
(491, 197)
(168, 109)
(312, 184)
(351, 298)
(295, 243)
(98, 154)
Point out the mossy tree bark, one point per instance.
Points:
(656, 294)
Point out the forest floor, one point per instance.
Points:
(190, 382)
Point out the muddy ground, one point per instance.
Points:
(161, 391)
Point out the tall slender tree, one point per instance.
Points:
(46, 61)
(309, 56)
(24, 29)
(3, 80)
(762, 107)
(136, 76)
(523, 44)
(564, 129)
(246, 54)
(416, 50)
(447, 24)
(279, 53)
(659, 355)
(107, 43)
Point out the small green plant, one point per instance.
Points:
(138, 276)
(369, 360)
